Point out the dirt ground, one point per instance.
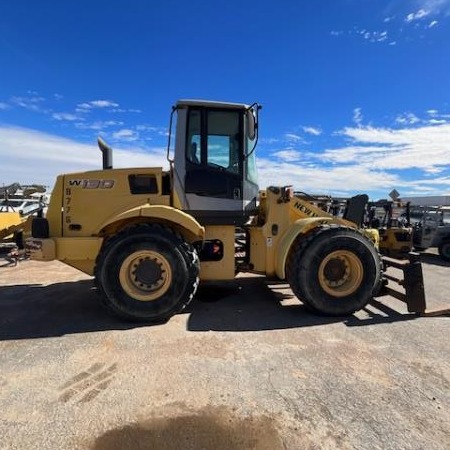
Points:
(245, 367)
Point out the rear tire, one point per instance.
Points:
(147, 273)
(444, 250)
(334, 270)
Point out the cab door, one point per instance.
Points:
(214, 173)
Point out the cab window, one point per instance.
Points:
(213, 139)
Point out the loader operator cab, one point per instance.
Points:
(214, 167)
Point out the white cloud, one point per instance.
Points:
(407, 119)
(357, 116)
(436, 121)
(123, 110)
(373, 36)
(30, 156)
(325, 180)
(144, 127)
(433, 170)
(287, 155)
(66, 116)
(291, 137)
(425, 15)
(435, 118)
(3, 106)
(83, 106)
(435, 6)
(103, 104)
(32, 103)
(312, 130)
(375, 161)
(268, 141)
(98, 125)
(389, 149)
(437, 181)
(126, 135)
(420, 14)
(87, 106)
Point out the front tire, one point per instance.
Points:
(334, 271)
(444, 250)
(147, 273)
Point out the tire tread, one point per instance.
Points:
(158, 230)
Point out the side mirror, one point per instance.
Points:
(251, 124)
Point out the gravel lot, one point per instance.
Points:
(246, 367)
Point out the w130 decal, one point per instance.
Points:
(92, 184)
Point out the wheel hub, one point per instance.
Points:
(145, 275)
(341, 273)
(147, 271)
(335, 271)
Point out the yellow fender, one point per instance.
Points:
(179, 219)
(300, 226)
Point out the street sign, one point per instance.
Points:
(394, 194)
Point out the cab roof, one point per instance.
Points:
(211, 104)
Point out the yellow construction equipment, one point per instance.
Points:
(392, 220)
(16, 212)
(148, 235)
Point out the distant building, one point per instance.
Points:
(430, 200)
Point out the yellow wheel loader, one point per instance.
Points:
(148, 236)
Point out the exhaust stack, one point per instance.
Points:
(106, 153)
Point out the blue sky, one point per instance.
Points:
(355, 93)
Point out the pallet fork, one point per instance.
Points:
(412, 283)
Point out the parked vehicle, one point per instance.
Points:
(432, 229)
(24, 207)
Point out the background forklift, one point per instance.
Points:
(148, 236)
(393, 222)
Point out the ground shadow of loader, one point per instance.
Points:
(246, 304)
